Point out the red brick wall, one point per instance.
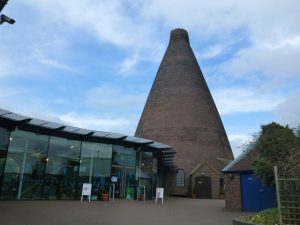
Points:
(215, 179)
(181, 112)
(233, 199)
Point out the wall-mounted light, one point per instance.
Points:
(231, 176)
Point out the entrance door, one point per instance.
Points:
(124, 187)
(129, 182)
(203, 187)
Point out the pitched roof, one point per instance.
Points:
(202, 164)
(244, 162)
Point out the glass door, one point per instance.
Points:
(124, 185)
(118, 172)
(130, 182)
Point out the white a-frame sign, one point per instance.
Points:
(86, 190)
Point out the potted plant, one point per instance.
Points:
(105, 195)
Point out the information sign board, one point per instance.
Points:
(114, 179)
(86, 190)
(159, 194)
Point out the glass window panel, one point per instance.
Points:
(123, 156)
(61, 181)
(62, 147)
(146, 172)
(25, 165)
(95, 166)
(180, 178)
(4, 138)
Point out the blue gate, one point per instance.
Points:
(255, 195)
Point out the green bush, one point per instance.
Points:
(265, 217)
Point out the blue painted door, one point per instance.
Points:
(255, 195)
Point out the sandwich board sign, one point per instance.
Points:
(159, 194)
(86, 190)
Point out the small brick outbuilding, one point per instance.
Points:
(205, 181)
(244, 191)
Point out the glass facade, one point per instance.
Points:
(25, 166)
(123, 169)
(63, 161)
(95, 166)
(4, 139)
(147, 173)
(39, 166)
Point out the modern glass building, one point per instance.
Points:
(46, 160)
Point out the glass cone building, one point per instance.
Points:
(46, 160)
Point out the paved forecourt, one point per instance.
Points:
(175, 211)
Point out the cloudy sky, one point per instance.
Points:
(91, 63)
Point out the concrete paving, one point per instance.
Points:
(175, 211)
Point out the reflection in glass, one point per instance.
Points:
(25, 166)
(4, 138)
(146, 172)
(123, 169)
(34, 166)
(61, 180)
(95, 166)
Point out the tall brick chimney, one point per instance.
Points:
(181, 112)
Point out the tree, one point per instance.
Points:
(277, 145)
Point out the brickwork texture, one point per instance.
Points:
(233, 192)
(181, 112)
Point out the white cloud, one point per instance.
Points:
(277, 64)
(263, 19)
(56, 64)
(267, 51)
(18, 103)
(137, 27)
(124, 125)
(266, 34)
(113, 98)
(236, 100)
(288, 42)
(289, 110)
(212, 52)
(5, 67)
(7, 94)
(128, 64)
(108, 20)
(238, 142)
